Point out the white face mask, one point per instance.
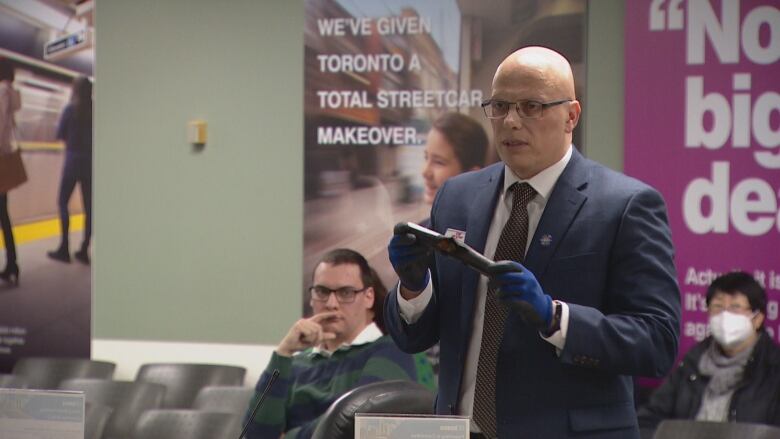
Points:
(730, 329)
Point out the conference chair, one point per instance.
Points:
(128, 399)
(11, 381)
(224, 399)
(95, 419)
(48, 372)
(186, 424)
(397, 396)
(183, 381)
(688, 429)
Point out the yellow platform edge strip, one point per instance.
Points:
(42, 146)
(43, 229)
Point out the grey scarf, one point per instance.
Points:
(725, 374)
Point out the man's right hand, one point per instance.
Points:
(306, 333)
(410, 261)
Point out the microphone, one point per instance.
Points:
(274, 375)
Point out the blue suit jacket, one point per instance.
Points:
(608, 255)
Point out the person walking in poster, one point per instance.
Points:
(75, 128)
(10, 102)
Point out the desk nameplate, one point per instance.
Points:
(379, 426)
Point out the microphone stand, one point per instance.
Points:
(274, 375)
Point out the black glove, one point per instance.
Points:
(410, 261)
(521, 291)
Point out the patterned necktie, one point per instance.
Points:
(511, 247)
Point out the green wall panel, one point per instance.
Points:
(198, 245)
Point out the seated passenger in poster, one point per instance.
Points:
(731, 376)
(337, 349)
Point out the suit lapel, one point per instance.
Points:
(480, 216)
(565, 201)
(481, 210)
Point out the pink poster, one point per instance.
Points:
(702, 125)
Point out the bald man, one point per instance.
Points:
(548, 350)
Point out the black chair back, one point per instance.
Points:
(186, 424)
(11, 381)
(96, 418)
(224, 399)
(128, 399)
(397, 396)
(183, 381)
(48, 372)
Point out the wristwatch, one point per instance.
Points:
(555, 325)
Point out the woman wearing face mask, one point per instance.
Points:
(731, 376)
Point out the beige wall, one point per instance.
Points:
(603, 110)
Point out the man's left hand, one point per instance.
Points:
(522, 292)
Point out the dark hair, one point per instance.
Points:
(739, 282)
(81, 98)
(380, 292)
(466, 136)
(6, 70)
(368, 276)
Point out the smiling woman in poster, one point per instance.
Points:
(455, 144)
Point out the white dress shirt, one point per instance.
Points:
(369, 334)
(411, 310)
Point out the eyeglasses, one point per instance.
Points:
(527, 109)
(343, 295)
(736, 308)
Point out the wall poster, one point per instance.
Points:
(702, 124)
(46, 287)
(378, 75)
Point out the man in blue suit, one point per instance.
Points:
(548, 350)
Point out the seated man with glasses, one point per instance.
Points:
(731, 376)
(337, 349)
